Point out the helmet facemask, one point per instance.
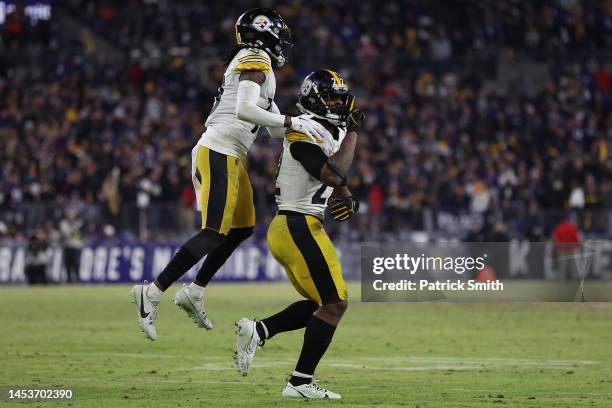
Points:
(337, 106)
(281, 50)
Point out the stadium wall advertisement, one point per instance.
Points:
(135, 262)
(123, 262)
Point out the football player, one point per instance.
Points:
(224, 195)
(311, 177)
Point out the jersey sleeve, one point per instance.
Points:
(253, 59)
(293, 136)
(310, 156)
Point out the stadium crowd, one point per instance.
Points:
(341, 29)
(114, 140)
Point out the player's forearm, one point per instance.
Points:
(247, 109)
(334, 171)
(275, 132)
(343, 158)
(342, 191)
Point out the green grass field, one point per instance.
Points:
(412, 354)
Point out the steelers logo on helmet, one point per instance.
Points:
(261, 23)
(265, 29)
(306, 86)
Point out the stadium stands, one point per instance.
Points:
(447, 147)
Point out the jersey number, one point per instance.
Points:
(316, 198)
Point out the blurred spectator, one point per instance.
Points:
(499, 233)
(36, 258)
(566, 237)
(70, 228)
(186, 209)
(441, 47)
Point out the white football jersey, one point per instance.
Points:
(296, 189)
(225, 133)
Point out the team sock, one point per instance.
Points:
(153, 292)
(262, 330)
(196, 289)
(317, 337)
(188, 255)
(298, 378)
(181, 263)
(293, 317)
(217, 257)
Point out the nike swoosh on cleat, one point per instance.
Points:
(299, 392)
(195, 309)
(142, 311)
(250, 347)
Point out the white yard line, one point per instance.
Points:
(400, 363)
(246, 381)
(117, 354)
(416, 368)
(480, 361)
(411, 363)
(230, 366)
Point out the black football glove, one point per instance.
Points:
(355, 117)
(355, 120)
(342, 208)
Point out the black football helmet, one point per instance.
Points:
(316, 93)
(265, 29)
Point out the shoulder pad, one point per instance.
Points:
(253, 59)
(293, 136)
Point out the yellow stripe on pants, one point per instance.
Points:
(203, 168)
(287, 253)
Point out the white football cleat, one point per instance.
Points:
(147, 310)
(308, 391)
(193, 304)
(247, 342)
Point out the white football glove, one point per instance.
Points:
(311, 128)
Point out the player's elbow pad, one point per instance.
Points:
(247, 109)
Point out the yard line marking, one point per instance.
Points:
(398, 363)
(403, 363)
(113, 354)
(534, 393)
(230, 366)
(416, 368)
(250, 383)
(483, 361)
